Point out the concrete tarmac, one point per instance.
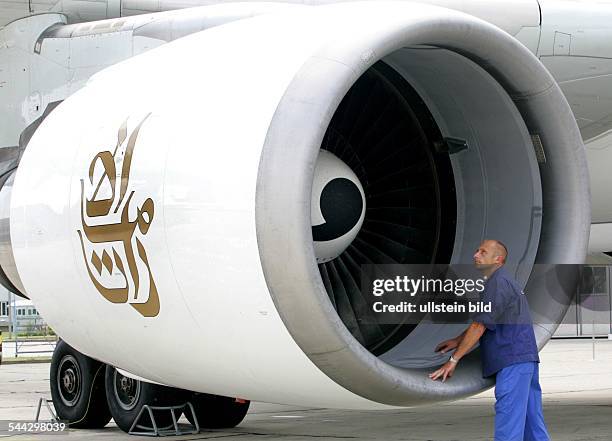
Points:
(577, 407)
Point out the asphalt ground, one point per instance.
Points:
(577, 396)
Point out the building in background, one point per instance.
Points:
(27, 318)
(4, 310)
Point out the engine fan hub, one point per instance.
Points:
(337, 206)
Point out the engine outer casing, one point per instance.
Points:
(230, 113)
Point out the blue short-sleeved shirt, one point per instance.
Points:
(509, 337)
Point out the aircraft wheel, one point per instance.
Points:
(217, 412)
(77, 388)
(127, 396)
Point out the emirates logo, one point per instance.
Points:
(114, 226)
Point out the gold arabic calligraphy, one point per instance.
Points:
(122, 233)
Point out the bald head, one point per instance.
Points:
(499, 249)
(491, 253)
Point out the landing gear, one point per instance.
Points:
(87, 393)
(77, 388)
(217, 412)
(127, 396)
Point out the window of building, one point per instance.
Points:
(4, 309)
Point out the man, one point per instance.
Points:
(508, 350)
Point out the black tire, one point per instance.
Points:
(126, 397)
(77, 388)
(216, 411)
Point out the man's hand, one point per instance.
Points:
(465, 342)
(445, 371)
(447, 345)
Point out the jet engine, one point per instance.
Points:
(199, 215)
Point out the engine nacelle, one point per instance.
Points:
(161, 216)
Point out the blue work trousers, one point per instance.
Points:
(518, 405)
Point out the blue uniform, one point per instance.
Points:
(509, 351)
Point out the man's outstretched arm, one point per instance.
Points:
(449, 345)
(469, 338)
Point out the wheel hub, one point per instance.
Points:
(127, 391)
(69, 381)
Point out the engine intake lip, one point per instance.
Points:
(286, 248)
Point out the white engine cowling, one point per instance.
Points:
(161, 216)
